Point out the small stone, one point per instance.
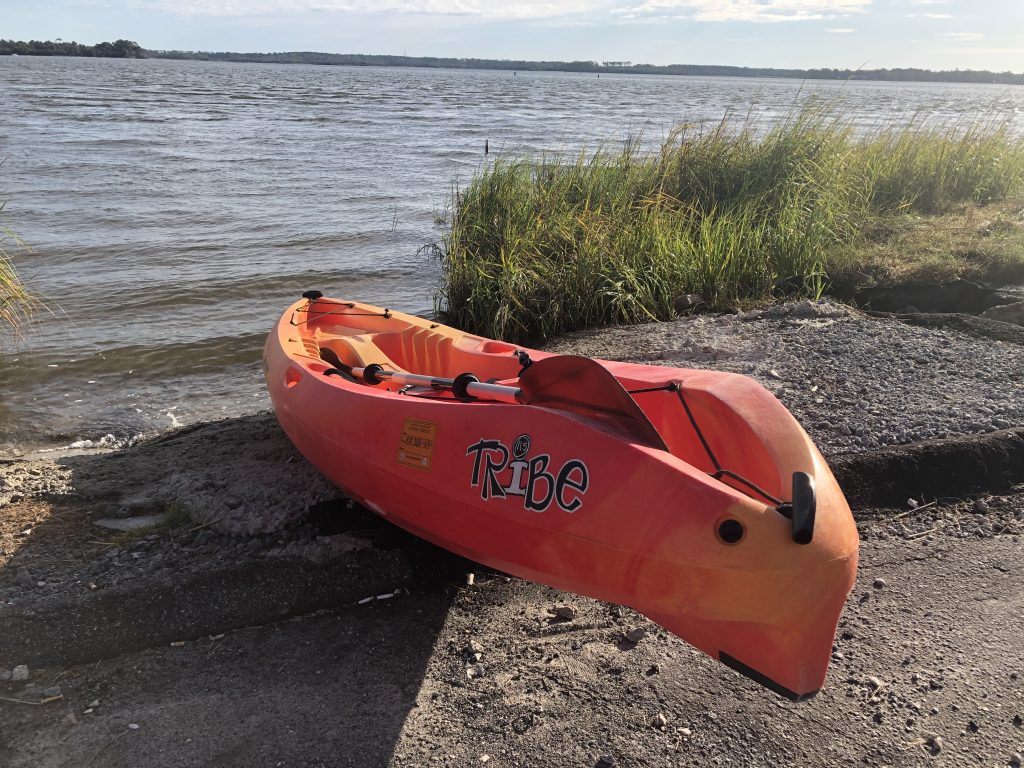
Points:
(133, 726)
(485, 758)
(474, 671)
(605, 761)
(636, 635)
(653, 670)
(470, 579)
(70, 719)
(874, 682)
(912, 503)
(844, 429)
(23, 578)
(19, 674)
(660, 721)
(684, 732)
(973, 726)
(473, 648)
(879, 583)
(934, 744)
(94, 703)
(1018, 721)
(1016, 760)
(53, 690)
(981, 506)
(687, 302)
(564, 612)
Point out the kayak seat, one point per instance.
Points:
(417, 350)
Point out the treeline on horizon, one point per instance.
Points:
(706, 70)
(129, 49)
(119, 49)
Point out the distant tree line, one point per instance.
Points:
(706, 70)
(129, 49)
(119, 49)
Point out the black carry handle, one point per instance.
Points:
(804, 507)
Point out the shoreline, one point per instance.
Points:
(254, 606)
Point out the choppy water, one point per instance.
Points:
(175, 208)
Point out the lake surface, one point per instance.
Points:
(175, 208)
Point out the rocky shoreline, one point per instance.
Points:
(242, 533)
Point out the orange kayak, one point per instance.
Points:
(692, 496)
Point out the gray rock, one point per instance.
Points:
(981, 506)
(687, 302)
(1006, 313)
(130, 523)
(564, 612)
(20, 673)
(636, 635)
(605, 761)
(23, 578)
(879, 583)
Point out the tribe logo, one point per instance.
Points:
(499, 473)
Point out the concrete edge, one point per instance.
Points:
(186, 606)
(956, 466)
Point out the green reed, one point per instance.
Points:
(16, 303)
(540, 246)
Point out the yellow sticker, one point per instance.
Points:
(417, 445)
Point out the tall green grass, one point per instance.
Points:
(540, 246)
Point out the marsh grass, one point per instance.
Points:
(16, 304)
(540, 246)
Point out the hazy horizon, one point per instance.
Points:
(782, 34)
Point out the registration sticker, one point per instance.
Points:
(416, 448)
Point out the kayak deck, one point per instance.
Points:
(686, 413)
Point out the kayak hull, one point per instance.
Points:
(548, 494)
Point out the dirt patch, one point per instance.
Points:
(926, 671)
(955, 297)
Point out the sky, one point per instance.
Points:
(932, 34)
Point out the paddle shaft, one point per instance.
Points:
(479, 389)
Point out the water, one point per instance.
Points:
(175, 208)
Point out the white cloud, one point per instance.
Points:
(982, 50)
(937, 15)
(701, 10)
(761, 10)
(966, 36)
(509, 9)
(840, 30)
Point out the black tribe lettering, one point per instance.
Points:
(500, 472)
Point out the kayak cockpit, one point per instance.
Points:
(725, 425)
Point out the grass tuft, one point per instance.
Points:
(17, 305)
(540, 246)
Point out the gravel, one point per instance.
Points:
(855, 382)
